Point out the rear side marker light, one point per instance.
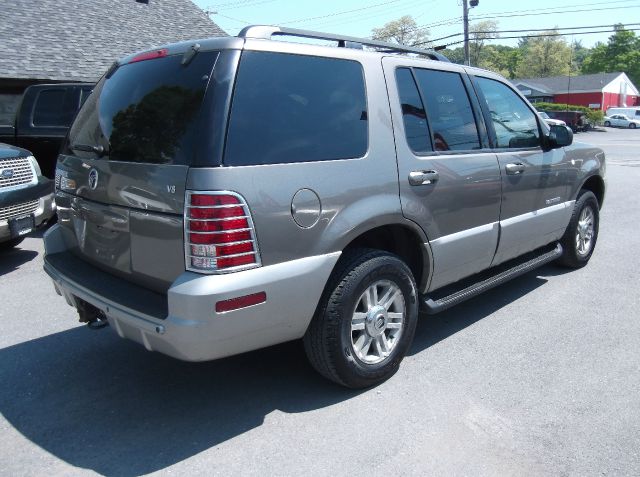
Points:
(150, 55)
(241, 302)
(219, 233)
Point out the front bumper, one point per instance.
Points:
(45, 209)
(192, 329)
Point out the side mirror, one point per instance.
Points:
(560, 136)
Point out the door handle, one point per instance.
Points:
(515, 168)
(417, 178)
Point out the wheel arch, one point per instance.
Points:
(595, 184)
(406, 241)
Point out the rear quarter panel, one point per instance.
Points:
(355, 194)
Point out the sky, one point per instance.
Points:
(442, 18)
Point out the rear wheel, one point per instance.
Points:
(11, 243)
(579, 240)
(632, 125)
(366, 320)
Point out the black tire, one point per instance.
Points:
(573, 256)
(9, 244)
(329, 341)
(607, 124)
(632, 125)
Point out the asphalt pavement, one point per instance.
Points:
(538, 377)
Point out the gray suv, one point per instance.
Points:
(223, 195)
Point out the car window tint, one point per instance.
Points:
(515, 124)
(294, 108)
(449, 110)
(147, 111)
(413, 114)
(53, 107)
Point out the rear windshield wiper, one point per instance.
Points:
(99, 150)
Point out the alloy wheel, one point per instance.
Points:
(377, 322)
(585, 231)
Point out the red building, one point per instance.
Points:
(597, 91)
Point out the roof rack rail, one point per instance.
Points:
(265, 32)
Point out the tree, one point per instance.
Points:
(544, 56)
(479, 32)
(578, 55)
(621, 53)
(455, 55)
(501, 59)
(404, 31)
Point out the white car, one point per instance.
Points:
(551, 121)
(622, 121)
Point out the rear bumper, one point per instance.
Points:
(192, 329)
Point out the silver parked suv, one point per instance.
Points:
(224, 195)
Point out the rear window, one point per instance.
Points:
(146, 111)
(54, 108)
(293, 108)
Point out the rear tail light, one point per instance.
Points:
(219, 233)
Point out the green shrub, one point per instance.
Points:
(594, 116)
(561, 107)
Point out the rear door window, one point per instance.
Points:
(146, 111)
(294, 108)
(413, 113)
(449, 110)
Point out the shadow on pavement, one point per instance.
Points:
(101, 403)
(11, 259)
(435, 328)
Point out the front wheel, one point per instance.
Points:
(632, 126)
(365, 321)
(579, 240)
(607, 124)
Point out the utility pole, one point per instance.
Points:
(465, 21)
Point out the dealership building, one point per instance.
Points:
(596, 91)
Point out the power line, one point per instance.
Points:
(557, 28)
(333, 19)
(238, 20)
(304, 20)
(553, 13)
(530, 12)
(248, 3)
(534, 29)
(556, 8)
(534, 36)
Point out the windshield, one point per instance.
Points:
(544, 115)
(145, 111)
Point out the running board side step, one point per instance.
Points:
(436, 306)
